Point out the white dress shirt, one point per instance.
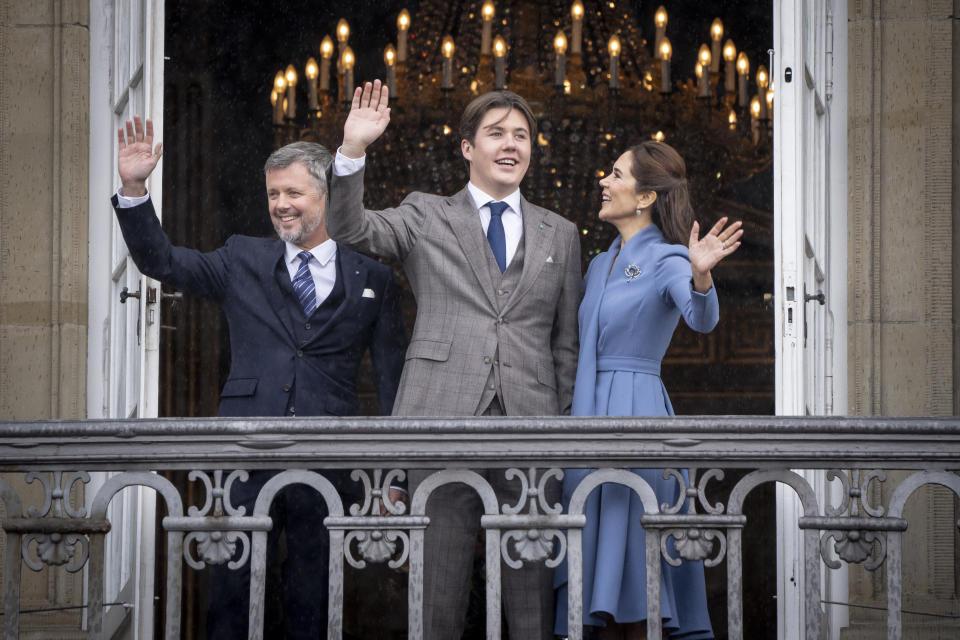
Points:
(323, 266)
(512, 216)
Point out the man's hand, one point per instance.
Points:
(137, 157)
(368, 119)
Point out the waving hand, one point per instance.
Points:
(708, 251)
(137, 157)
(368, 118)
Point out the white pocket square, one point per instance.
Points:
(549, 258)
(368, 293)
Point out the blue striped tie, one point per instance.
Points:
(495, 234)
(303, 284)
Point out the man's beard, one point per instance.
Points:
(307, 227)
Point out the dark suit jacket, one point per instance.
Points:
(251, 283)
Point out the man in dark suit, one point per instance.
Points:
(301, 311)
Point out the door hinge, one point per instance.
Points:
(828, 61)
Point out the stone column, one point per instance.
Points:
(44, 89)
(901, 212)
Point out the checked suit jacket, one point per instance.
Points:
(463, 321)
(273, 353)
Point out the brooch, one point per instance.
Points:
(633, 271)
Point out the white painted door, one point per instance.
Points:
(126, 72)
(808, 74)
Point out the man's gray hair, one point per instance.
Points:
(313, 156)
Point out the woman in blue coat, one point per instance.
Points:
(656, 270)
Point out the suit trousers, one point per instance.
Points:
(298, 512)
(450, 542)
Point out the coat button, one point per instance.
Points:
(307, 326)
(486, 361)
(286, 387)
(299, 353)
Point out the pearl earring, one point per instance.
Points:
(639, 211)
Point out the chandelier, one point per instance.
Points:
(595, 83)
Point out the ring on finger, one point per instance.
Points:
(723, 245)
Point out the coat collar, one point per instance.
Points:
(538, 232)
(461, 211)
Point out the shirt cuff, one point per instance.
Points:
(344, 166)
(123, 202)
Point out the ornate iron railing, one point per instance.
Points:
(852, 451)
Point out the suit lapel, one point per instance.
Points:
(538, 238)
(354, 273)
(275, 280)
(465, 222)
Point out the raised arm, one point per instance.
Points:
(137, 157)
(368, 118)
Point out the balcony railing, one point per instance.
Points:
(851, 451)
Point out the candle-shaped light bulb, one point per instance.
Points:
(763, 80)
(613, 46)
(403, 26)
(347, 61)
(658, 136)
(703, 59)
(312, 71)
(729, 67)
(499, 58)
(326, 53)
(755, 107)
(486, 40)
(291, 77)
(732, 119)
(716, 37)
(343, 30)
(576, 36)
(560, 45)
(729, 51)
(743, 71)
(447, 50)
(665, 52)
(279, 87)
(390, 60)
(277, 107)
(660, 22)
(769, 105)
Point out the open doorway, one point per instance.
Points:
(218, 131)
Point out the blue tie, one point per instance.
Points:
(303, 284)
(495, 235)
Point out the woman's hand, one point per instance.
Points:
(708, 251)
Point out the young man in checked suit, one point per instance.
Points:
(497, 283)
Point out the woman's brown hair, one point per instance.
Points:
(658, 167)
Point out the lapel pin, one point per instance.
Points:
(633, 271)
